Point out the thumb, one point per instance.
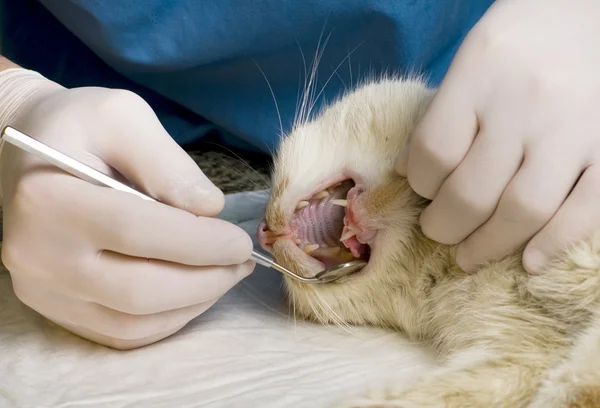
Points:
(139, 148)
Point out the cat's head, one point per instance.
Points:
(336, 195)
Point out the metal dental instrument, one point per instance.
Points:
(91, 175)
(325, 276)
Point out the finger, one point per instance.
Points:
(469, 196)
(440, 140)
(106, 322)
(530, 200)
(139, 286)
(124, 223)
(577, 219)
(141, 149)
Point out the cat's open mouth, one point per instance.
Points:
(326, 228)
(322, 226)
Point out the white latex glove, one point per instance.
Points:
(513, 127)
(77, 252)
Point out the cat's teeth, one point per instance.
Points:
(301, 204)
(311, 248)
(343, 203)
(348, 233)
(322, 194)
(298, 241)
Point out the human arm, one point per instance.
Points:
(5, 63)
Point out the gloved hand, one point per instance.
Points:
(513, 127)
(105, 264)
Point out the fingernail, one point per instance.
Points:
(534, 261)
(401, 164)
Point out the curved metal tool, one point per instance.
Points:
(339, 271)
(84, 172)
(326, 276)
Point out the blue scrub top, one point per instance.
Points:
(211, 57)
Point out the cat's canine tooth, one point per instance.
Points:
(343, 203)
(311, 248)
(348, 233)
(298, 241)
(301, 204)
(322, 194)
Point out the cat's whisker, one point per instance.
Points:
(310, 83)
(316, 313)
(239, 159)
(300, 92)
(254, 182)
(331, 314)
(341, 79)
(273, 95)
(316, 65)
(292, 302)
(350, 71)
(331, 76)
(294, 311)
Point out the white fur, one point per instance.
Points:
(505, 339)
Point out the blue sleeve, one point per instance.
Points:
(207, 56)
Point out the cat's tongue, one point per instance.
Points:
(320, 220)
(318, 224)
(356, 247)
(350, 240)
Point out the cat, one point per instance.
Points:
(504, 338)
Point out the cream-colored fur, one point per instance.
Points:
(505, 339)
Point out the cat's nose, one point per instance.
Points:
(264, 236)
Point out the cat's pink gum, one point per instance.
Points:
(287, 239)
(354, 219)
(266, 237)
